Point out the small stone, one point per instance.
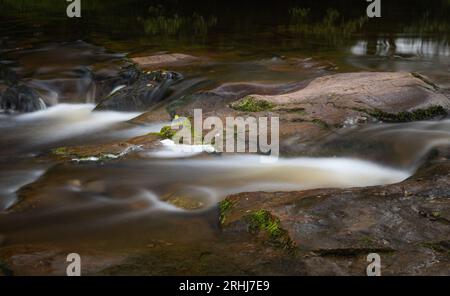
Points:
(156, 61)
(74, 183)
(185, 202)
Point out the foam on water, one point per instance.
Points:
(66, 121)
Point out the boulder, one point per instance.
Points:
(333, 230)
(357, 97)
(105, 83)
(149, 89)
(21, 98)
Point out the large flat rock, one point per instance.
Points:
(333, 230)
(359, 97)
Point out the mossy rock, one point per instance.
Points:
(442, 247)
(86, 153)
(250, 104)
(262, 222)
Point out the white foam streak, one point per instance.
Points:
(65, 121)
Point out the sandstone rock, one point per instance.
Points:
(217, 100)
(163, 60)
(105, 151)
(335, 229)
(50, 260)
(312, 110)
(335, 99)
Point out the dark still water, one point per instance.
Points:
(129, 202)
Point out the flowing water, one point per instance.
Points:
(127, 200)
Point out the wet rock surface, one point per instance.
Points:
(67, 72)
(334, 230)
(149, 89)
(358, 97)
(20, 98)
(164, 60)
(49, 260)
(311, 110)
(313, 232)
(106, 151)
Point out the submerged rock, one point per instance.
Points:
(185, 202)
(149, 89)
(106, 83)
(101, 152)
(21, 98)
(163, 60)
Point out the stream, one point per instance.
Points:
(115, 202)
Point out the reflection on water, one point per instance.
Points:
(406, 47)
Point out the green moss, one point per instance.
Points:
(161, 23)
(440, 247)
(167, 132)
(224, 207)
(320, 123)
(62, 151)
(368, 241)
(250, 104)
(353, 251)
(416, 115)
(301, 111)
(333, 25)
(299, 15)
(263, 221)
